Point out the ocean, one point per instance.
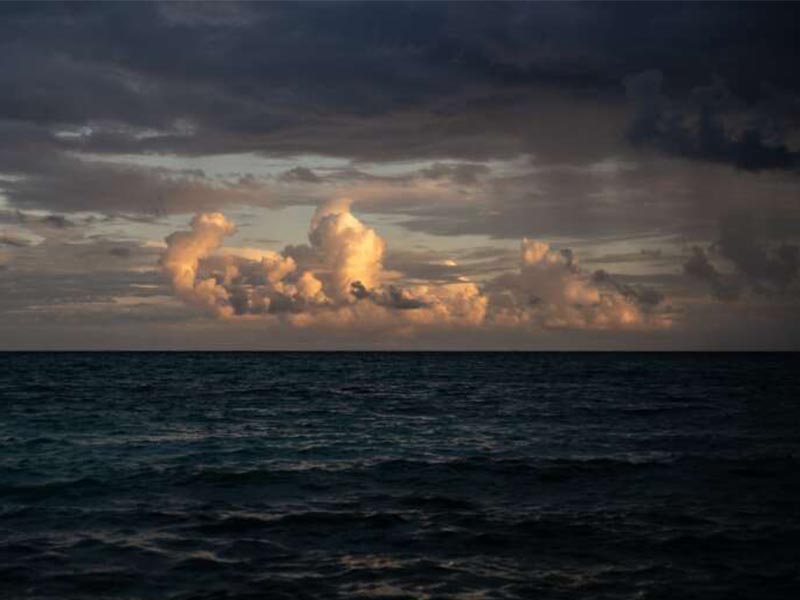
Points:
(399, 475)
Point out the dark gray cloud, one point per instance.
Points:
(376, 82)
(390, 297)
(645, 297)
(561, 200)
(765, 266)
(699, 267)
(698, 129)
(52, 221)
(338, 78)
(72, 184)
(768, 269)
(300, 174)
(120, 252)
(57, 221)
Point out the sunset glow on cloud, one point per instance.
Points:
(338, 280)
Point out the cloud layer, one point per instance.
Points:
(339, 280)
(658, 141)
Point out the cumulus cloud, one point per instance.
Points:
(339, 280)
(185, 249)
(550, 290)
(351, 251)
(238, 281)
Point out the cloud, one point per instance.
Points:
(351, 251)
(770, 269)
(551, 291)
(182, 259)
(463, 173)
(723, 287)
(61, 269)
(706, 126)
(138, 82)
(13, 240)
(252, 281)
(37, 222)
(643, 296)
(57, 221)
(391, 296)
(301, 175)
(76, 183)
(384, 82)
(339, 281)
(121, 252)
(699, 267)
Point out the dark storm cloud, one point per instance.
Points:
(698, 129)
(765, 266)
(376, 82)
(699, 266)
(288, 78)
(72, 184)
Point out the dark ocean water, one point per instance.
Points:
(215, 475)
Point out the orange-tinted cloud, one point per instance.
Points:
(346, 286)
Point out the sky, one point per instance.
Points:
(456, 176)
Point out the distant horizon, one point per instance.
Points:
(385, 351)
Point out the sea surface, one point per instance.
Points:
(399, 475)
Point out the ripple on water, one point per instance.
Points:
(399, 476)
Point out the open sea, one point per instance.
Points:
(399, 475)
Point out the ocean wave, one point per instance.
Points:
(318, 476)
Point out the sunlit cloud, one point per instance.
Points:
(339, 280)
